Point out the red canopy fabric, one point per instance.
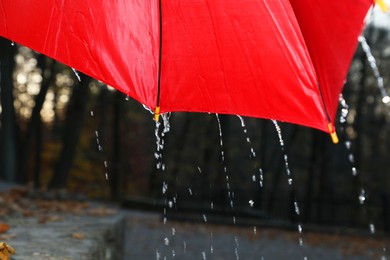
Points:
(277, 59)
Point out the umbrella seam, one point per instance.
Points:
(160, 55)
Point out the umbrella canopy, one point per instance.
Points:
(278, 59)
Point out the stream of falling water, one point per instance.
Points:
(76, 74)
(253, 156)
(373, 64)
(385, 99)
(100, 148)
(160, 134)
(362, 196)
(161, 129)
(289, 180)
(229, 191)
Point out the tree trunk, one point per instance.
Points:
(73, 126)
(314, 168)
(8, 151)
(35, 120)
(116, 173)
(38, 155)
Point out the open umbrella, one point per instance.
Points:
(279, 59)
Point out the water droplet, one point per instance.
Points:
(158, 255)
(254, 178)
(300, 228)
(386, 99)
(236, 248)
(351, 158)
(204, 255)
(296, 208)
(127, 98)
(164, 187)
(354, 171)
(76, 74)
(290, 181)
(251, 203)
(166, 241)
(211, 249)
(12, 43)
(254, 230)
(344, 112)
(242, 121)
(173, 231)
(190, 191)
(261, 177)
(106, 176)
(204, 218)
(348, 145)
(372, 228)
(212, 205)
(173, 253)
(91, 113)
(344, 109)
(184, 246)
(383, 257)
(362, 197)
(170, 204)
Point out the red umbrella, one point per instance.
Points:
(279, 59)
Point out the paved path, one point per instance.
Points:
(72, 230)
(147, 237)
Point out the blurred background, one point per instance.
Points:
(61, 130)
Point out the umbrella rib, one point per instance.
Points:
(331, 127)
(157, 110)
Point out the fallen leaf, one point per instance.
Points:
(80, 236)
(27, 213)
(3, 228)
(6, 251)
(49, 218)
(7, 236)
(101, 212)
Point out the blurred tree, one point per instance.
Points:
(116, 175)
(33, 131)
(8, 128)
(73, 124)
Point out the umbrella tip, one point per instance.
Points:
(382, 5)
(333, 134)
(157, 114)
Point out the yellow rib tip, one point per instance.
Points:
(157, 114)
(382, 5)
(335, 138)
(333, 134)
